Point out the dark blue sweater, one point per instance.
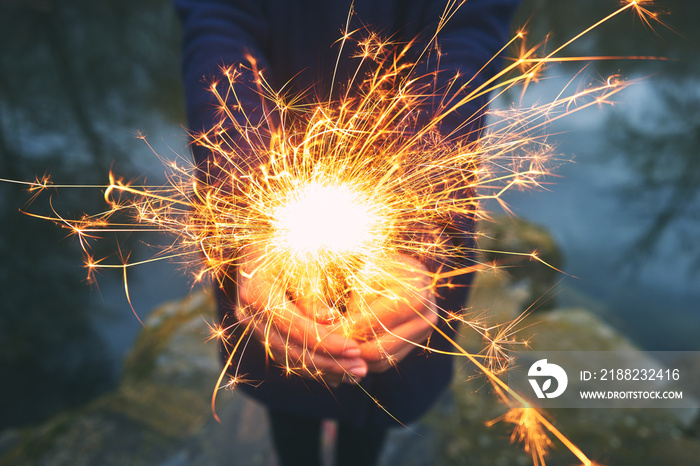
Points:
(294, 40)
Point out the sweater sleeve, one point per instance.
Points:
(219, 33)
(471, 38)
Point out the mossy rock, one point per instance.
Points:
(620, 437)
(159, 414)
(171, 345)
(509, 243)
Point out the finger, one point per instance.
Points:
(307, 333)
(313, 363)
(391, 348)
(386, 314)
(413, 332)
(374, 319)
(395, 295)
(278, 316)
(285, 330)
(313, 307)
(261, 292)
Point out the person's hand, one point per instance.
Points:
(291, 335)
(397, 316)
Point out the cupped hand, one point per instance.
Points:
(288, 330)
(396, 314)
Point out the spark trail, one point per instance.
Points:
(341, 191)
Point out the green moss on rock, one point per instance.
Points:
(509, 241)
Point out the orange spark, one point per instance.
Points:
(398, 178)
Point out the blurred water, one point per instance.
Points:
(152, 284)
(78, 79)
(651, 297)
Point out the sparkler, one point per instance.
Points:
(345, 193)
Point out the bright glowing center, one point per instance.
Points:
(325, 218)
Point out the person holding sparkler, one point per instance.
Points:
(377, 372)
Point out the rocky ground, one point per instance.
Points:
(160, 413)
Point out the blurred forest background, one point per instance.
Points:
(79, 79)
